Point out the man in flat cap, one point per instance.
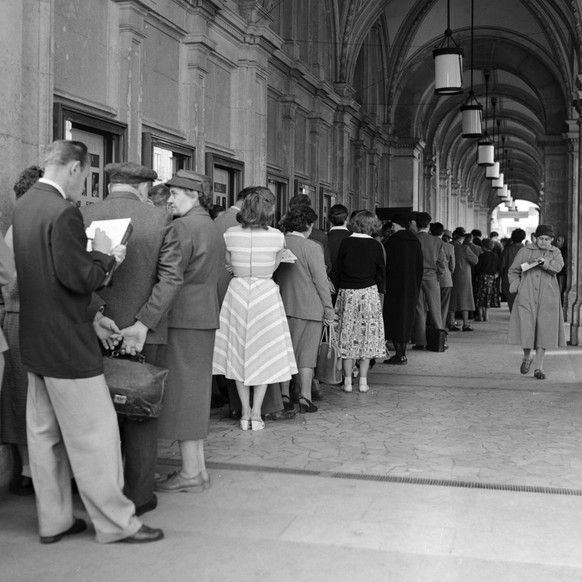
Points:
(138, 301)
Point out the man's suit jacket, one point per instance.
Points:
(146, 283)
(446, 279)
(56, 278)
(433, 255)
(225, 221)
(203, 252)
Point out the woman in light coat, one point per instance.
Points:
(536, 320)
(462, 296)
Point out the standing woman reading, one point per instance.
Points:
(537, 322)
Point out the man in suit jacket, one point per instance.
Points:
(429, 297)
(71, 422)
(138, 301)
(446, 279)
(273, 408)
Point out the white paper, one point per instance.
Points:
(527, 266)
(288, 256)
(115, 229)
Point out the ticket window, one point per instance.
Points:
(327, 200)
(226, 176)
(165, 156)
(104, 139)
(279, 190)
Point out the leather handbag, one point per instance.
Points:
(329, 364)
(436, 339)
(136, 387)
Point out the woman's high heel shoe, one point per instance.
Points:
(257, 425)
(305, 405)
(244, 423)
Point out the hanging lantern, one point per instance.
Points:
(448, 70)
(485, 153)
(448, 62)
(472, 113)
(472, 110)
(498, 183)
(502, 192)
(486, 148)
(492, 172)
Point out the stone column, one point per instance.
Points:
(405, 173)
(573, 217)
(341, 168)
(575, 295)
(26, 93)
(132, 27)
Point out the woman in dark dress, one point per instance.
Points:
(403, 280)
(15, 381)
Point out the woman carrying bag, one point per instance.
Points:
(537, 321)
(305, 292)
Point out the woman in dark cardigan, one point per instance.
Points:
(360, 278)
(403, 279)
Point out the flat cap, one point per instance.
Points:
(447, 233)
(129, 173)
(190, 181)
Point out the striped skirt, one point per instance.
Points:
(253, 344)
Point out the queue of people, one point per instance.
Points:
(213, 294)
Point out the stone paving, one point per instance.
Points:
(464, 415)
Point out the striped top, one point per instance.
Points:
(253, 251)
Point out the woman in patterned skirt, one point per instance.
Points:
(253, 344)
(360, 277)
(486, 273)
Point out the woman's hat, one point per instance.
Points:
(545, 230)
(190, 181)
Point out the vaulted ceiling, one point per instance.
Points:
(531, 49)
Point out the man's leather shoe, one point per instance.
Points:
(144, 535)
(281, 415)
(76, 528)
(149, 506)
(418, 347)
(176, 482)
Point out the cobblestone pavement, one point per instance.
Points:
(464, 415)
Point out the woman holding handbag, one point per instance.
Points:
(305, 292)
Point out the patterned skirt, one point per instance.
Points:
(253, 344)
(360, 325)
(486, 291)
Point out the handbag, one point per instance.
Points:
(329, 364)
(136, 387)
(436, 339)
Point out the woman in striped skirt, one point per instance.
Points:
(253, 344)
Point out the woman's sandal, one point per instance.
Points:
(308, 406)
(525, 365)
(540, 375)
(244, 423)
